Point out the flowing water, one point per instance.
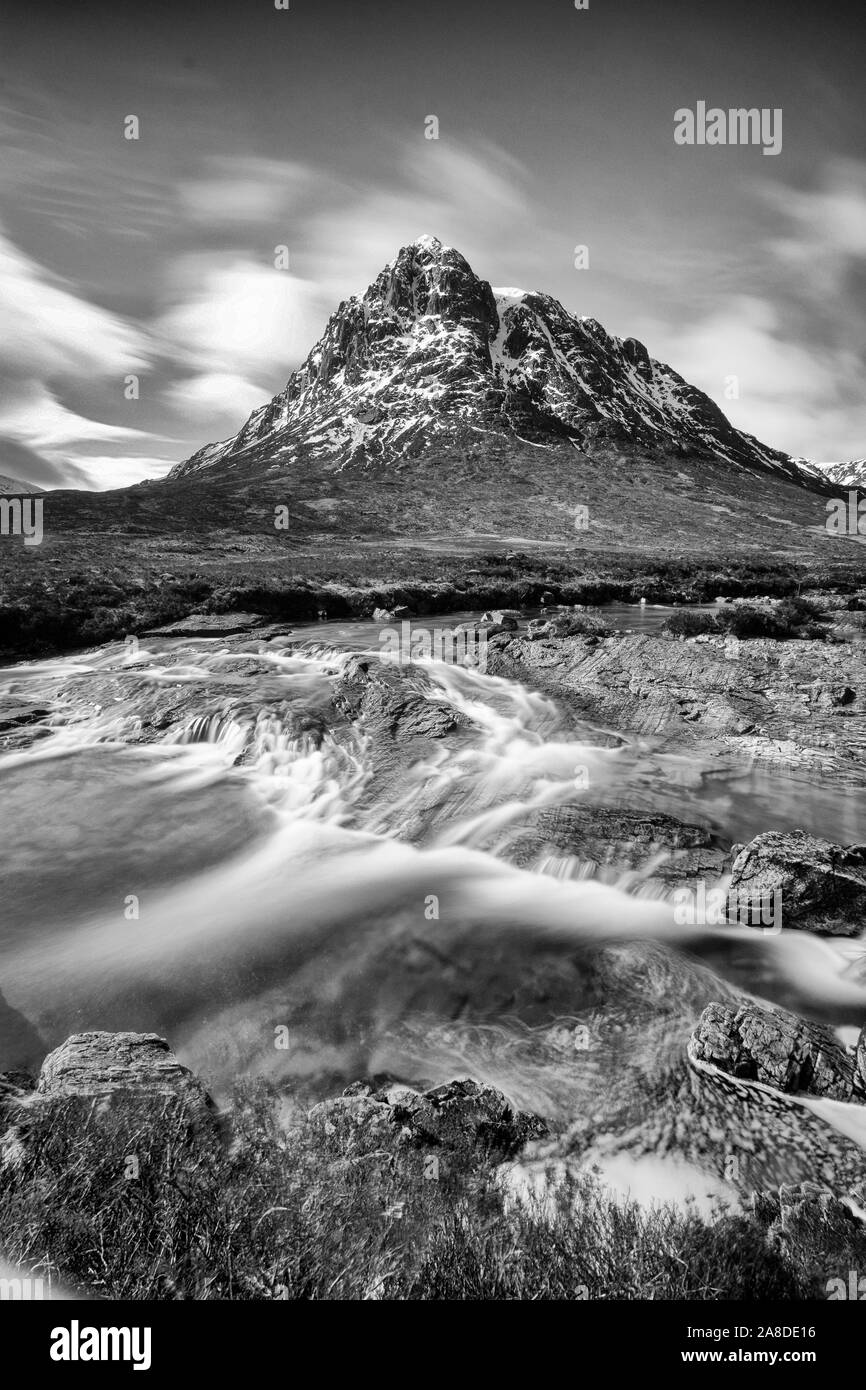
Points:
(196, 842)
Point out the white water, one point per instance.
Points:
(284, 879)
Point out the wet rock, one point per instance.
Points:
(458, 1116)
(390, 704)
(789, 704)
(618, 836)
(822, 885)
(756, 1042)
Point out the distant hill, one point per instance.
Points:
(10, 487)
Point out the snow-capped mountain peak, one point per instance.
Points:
(431, 351)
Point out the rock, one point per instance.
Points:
(826, 696)
(453, 1117)
(757, 1042)
(100, 1073)
(806, 1209)
(751, 699)
(618, 836)
(822, 885)
(383, 615)
(389, 705)
(638, 356)
(114, 1065)
(505, 619)
(208, 625)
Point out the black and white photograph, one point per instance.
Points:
(432, 669)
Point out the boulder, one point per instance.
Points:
(822, 885)
(112, 1065)
(93, 1075)
(504, 618)
(756, 1042)
(455, 1116)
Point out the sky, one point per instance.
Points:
(306, 128)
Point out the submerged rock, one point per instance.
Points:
(822, 885)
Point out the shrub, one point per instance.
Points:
(686, 623)
(746, 620)
(309, 1212)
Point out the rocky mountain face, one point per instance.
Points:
(850, 474)
(433, 354)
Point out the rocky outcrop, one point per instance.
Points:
(463, 1116)
(755, 1042)
(822, 886)
(791, 704)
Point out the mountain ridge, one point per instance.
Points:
(431, 352)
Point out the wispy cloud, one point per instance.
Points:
(49, 327)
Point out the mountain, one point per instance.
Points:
(13, 487)
(433, 355)
(851, 474)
